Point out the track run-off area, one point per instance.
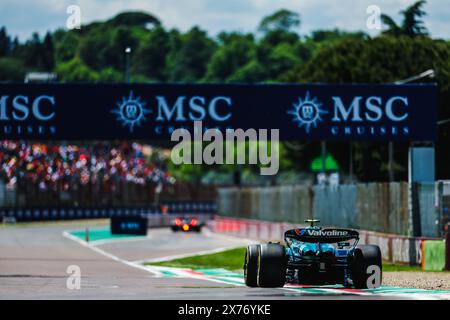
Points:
(34, 262)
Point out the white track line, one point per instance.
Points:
(66, 234)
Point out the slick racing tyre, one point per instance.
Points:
(251, 265)
(271, 266)
(367, 259)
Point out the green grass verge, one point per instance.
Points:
(387, 267)
(234, 259)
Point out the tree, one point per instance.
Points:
(76, 70)
(5, 42)
(36, 54)
(94, 47)
(277, 50)
(66, 46)
(31, 51)
(189, 56)
(412, 24)
(122, 38)
(109, 74)
(48, 53)
(234, 52)
(282, 20)
(15, 45)
(151, 55)
(11, 69)
(134, 18)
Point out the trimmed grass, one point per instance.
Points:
(387, 267)
(232, 259)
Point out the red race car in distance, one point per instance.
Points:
(186, 224)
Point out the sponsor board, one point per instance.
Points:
(154, 111)
(129, 225)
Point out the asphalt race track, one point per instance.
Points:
(34, 260)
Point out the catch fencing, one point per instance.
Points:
(379, 207)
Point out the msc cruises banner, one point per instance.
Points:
(153, 111)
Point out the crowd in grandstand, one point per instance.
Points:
(61, 166)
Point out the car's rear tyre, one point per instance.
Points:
(271, 266)
(251, 265)
(365, 257)
(174, 229)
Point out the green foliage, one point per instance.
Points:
(412, 25)
(94, 47)
(252, 72)
(282, 20)
(190, 55)
(5, 42)
(76, 70)
(136, 18)
(11, 69)
(152, 54)
(66, 45)
(235, 51)
(37, 53)
(47, 53)
(110, 75)
(378, 60)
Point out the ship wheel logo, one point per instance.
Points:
(130, 111)
(307, 112)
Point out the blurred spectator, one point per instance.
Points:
(61, 167)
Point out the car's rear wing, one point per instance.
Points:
(330, 235)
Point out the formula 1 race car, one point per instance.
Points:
(186, 224)
(314, 256)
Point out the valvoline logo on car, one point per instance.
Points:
(326, 233)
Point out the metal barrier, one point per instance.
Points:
(381, 207)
